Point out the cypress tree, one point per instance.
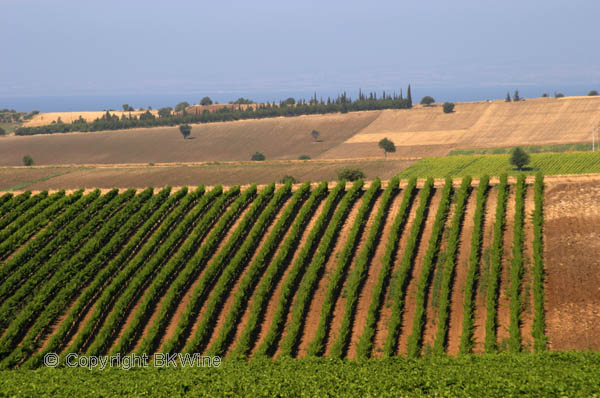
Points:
(507, 97)
(409, 97)
(516, 96)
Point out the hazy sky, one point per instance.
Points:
(75, 47)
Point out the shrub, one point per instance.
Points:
(519, 158)
(258, 157)
(185, 130)
(315, 135)
(593, 93)
(545, 95)
(350, 174)
(288, 179)
(427, 100)
(448, 107)
(558, 95)
(27, 160)
(303, 157)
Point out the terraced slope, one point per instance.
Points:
(353, 270)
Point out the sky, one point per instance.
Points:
(267, 48)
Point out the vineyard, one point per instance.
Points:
(347, 270)
(472, 165)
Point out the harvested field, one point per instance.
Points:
(230, 173)
(534, 121)
(277, 138)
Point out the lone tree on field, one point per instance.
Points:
(427, 100)
(27, 160)
(507, 99)
(258, 157)
(185, 130)
(593, 93)
(519, 158)
(206, 101)
(448, 107)
(387, 146)
(315, 135)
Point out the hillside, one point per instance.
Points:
(421, 131)
(277, 138)
(294, 272)
(427, 131)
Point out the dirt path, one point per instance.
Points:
(231, 296)
(386, 310)
(364, 300)
(527, 281)
(182, 306)
(503, 335)
(314, 311)
(432, 297)
(484, 267)
(270, 311)
(410, 305)
(457, 294)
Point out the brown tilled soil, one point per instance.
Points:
(230, 173)
(244, 318)
(410, 304)
(572, 263)
(231, 296)
(386, 310)
(339, 308)
(373, 270)
(182, 306)
(502, 332)
(457, 295)
(276, 138)
(527, 304)
(274, 302)
(484, 266)
(320, 295)
(316, 304)
(432, 295)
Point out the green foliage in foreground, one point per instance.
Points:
(544, 375)
(461, 166)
